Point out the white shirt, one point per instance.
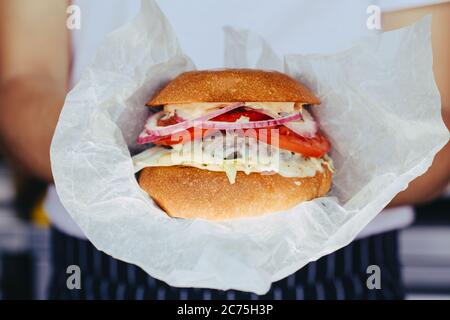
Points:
(290, 26)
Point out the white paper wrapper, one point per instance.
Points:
(380, 108)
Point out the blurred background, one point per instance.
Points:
(24, 227)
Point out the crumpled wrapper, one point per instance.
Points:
(380, 108)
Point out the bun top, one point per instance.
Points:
(233, 85)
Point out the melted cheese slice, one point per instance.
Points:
(191, 111)
(243, 155)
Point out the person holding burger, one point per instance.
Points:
(40, 60)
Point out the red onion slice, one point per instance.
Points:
(221, 125)
(154, 130)
(303, 124)
(144, 138)
(307, 127)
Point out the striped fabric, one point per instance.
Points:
(1, 276)
(340, 275)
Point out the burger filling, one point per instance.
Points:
(267, 138)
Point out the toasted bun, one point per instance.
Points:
(233, 85)
(188, 192)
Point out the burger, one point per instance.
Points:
(232, 143)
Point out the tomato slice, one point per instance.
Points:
(234, 115)
(315, 147)
(178, 138)
(231, 116)
(169, 121)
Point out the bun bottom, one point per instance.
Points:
(188, 192)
